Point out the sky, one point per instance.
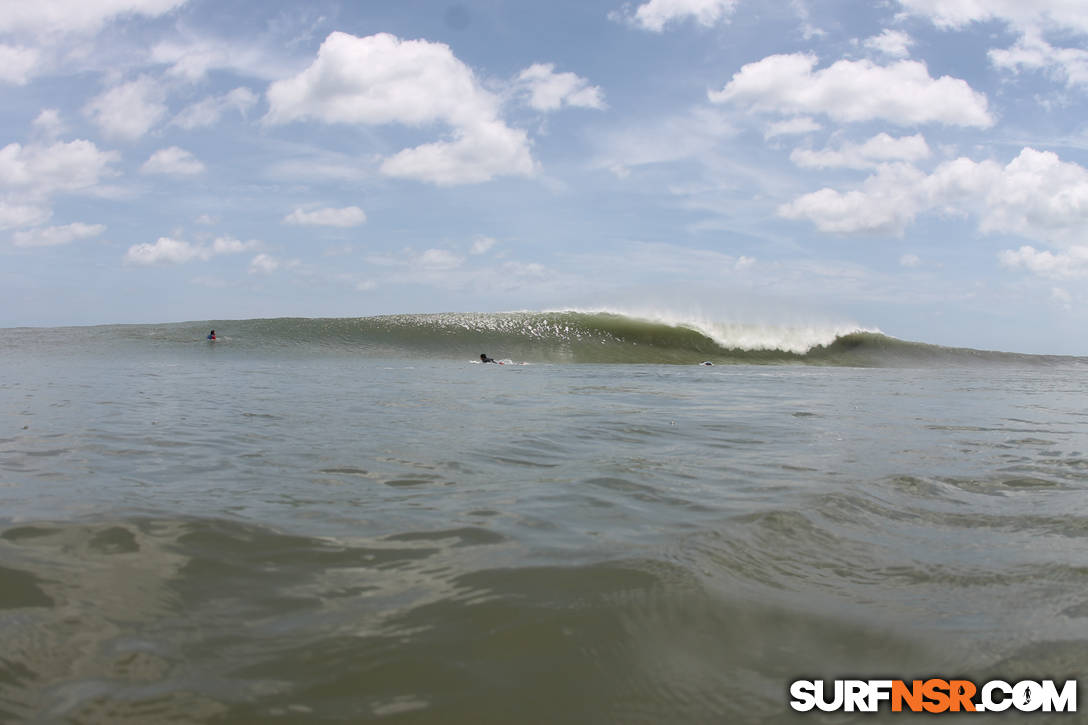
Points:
(914, 166)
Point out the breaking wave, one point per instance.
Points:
(579, 337)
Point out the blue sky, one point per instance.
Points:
(917, 166)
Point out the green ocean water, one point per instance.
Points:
(350, 520)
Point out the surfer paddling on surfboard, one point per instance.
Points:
(485, 359)
(211, 335)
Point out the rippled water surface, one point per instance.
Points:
(201, 533)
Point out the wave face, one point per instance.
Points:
(578, 337)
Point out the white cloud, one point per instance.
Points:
(1030, 19)
(263, 264)
(17, 63)
(129, 110)
(350, 216)
(476, 154)
(172, 161)
(381, 79)
(1036, 195)
(791, 127)
(482, 245)
(191, 58)
(849, 91)
(174, 251)
(886, 204)
(656, 14)
(895, 43)
(208, 111)
(1072, 264)
(910, 260)
(1031, 52)
(1066, 15)
(880, 149)
(54, 236)
(41, 170)
(166, 251)
(808, 30)
(548, 90)
(75, 16)
(15, 215)
(48, 123)
(1039, 196)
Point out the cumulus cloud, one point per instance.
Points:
(75, 16)
(1072, 264)
(476, 154)
(910, 260)
(895, 43)
(17, 63)
(172, 161)
(548, 90)
(656, 14)
(902, 93)
(880, 149)
(381, 79)
(55, 236)
(208, 111)
(1036, 195)
(1032, 52)
(350, 216)
(175, 251)
(40, 170)
(1039, 196)
(165, 251)
(886, 204)
(1058, 14)
(1030, 20)
(15, 215)
(129, 110)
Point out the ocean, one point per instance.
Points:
(352, 520)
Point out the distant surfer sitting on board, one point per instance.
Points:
(485, 359)
(211, 335)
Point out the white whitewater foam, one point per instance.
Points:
(798, 339)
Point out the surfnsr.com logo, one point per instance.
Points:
(933, 696)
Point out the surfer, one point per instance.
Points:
(211, 335)
(485, 359)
